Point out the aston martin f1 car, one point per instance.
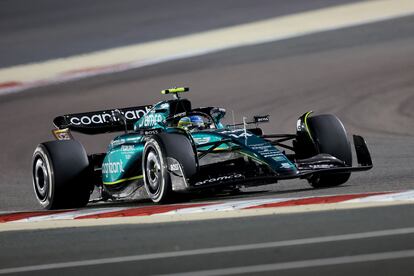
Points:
(172, 147)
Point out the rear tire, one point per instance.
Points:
(61, 175)
(330, 137)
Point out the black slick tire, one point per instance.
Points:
(61, 175)
(330, 137)
(157, 149)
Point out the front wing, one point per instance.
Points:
(238, 172)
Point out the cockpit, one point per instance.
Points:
(192, 121)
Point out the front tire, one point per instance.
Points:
(157, 149)
(61, 175)
(330, 137)
(154, 167)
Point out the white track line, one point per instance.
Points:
(227, 206)
(138, 55)
(214, 250)
(375, 257)
(72, 214)
(402, 196)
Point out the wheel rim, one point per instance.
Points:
(41, 179)
(153, 171)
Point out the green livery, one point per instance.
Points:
(123, 159)
(172, 147)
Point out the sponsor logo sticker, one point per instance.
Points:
(237, 133)
(113, 167)
(285, 166)
(151, 120)
(220, 179)
(118, 142)
(105, 117)
(201, 140)
(127, 148)
(174, 167)
(151, 132)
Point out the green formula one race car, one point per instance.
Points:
(171, 148)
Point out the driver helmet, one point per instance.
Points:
(184, 122)
(191, 122)
(197, 122)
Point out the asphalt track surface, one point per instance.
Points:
(362, 74)
(197, 246)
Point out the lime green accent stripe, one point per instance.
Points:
(123, 180)
(221, 149)
(306, 124)
(175, 90)
(253, 157)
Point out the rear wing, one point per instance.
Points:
(99, 122)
